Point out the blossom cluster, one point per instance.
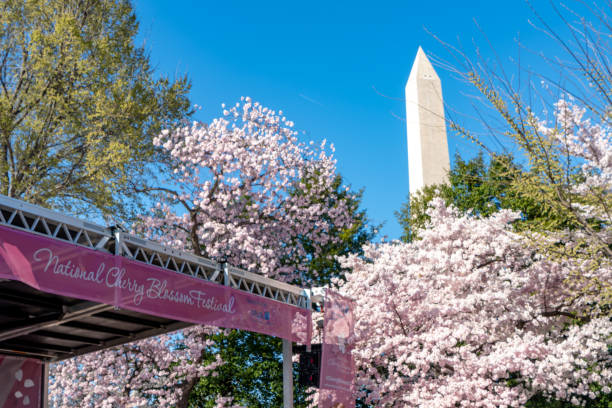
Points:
(471, 315)
(588, 143)
(145, 372)
(246, 190)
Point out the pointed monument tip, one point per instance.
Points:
(422, 67)
(420, 55)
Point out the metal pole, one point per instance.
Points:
(44, 398)
(226, 277)
(287, 374)
(118, 240)
(308, 294)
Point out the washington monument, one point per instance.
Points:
(428, 161)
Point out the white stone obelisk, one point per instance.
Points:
(428, 161)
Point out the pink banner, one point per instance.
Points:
(20, 382)
(69, 270)
(337, 366)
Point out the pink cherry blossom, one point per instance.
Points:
(246, 190)
(454, 318)
(153, 370)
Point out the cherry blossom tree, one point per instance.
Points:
(568, 173)
(247, 191)
(565, 197)
(471, 315)
(155, 371)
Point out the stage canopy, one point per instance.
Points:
(69, 287)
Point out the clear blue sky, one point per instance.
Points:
(319, 61)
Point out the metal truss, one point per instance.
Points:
(38, 220)
(32, 218)
(53, 319)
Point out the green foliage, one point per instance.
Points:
(539, 401)
(324, 266)
(481, 189)
(250, 373)
(79, 104)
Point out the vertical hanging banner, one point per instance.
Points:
(337, 367)
(20, 382)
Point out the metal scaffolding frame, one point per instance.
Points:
(47, 316)
(35, 219)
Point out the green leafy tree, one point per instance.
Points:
(79, 104)
(324, 266)
(480, 188)
(251, 373)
